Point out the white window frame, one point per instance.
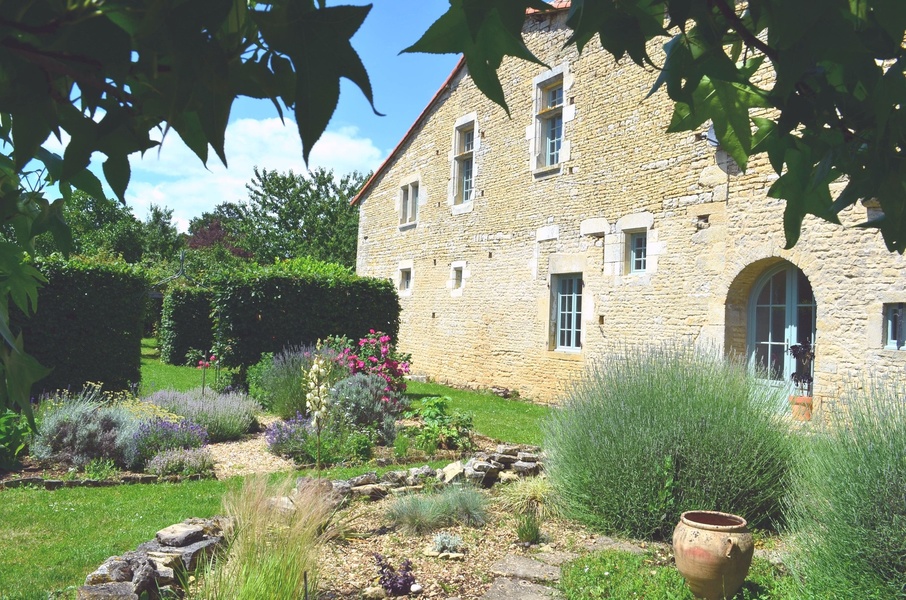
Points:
(405, 278)
(459, 273)
(463, 154)
(408, 202)
(567, 311)
(894, 330)
(549, 153)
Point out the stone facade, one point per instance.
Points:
(480, 310)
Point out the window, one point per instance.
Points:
(568, 311)
(409, 203)
(405, 280)
(638, 252)
(894, 337)
(550, 118)
(465, 164)
(457, 278)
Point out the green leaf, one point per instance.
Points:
(484, 33)
(805, 187)
(318, 43)
(118, 172)
(89, 183)
(22, 371)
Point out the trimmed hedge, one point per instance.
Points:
(185, 323)
(88, 325)
(298, 302)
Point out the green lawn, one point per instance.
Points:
(157, 375)
(496, 417)
(49, 541)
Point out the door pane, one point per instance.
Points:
(778, 355)
(778, 288)
(804, 289)
(778, 324)
(762, 324)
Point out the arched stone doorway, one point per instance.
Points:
(770, 306)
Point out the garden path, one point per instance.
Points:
(248, 455)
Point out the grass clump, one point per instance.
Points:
(653, 432)
(417, 514)
(270, 553)
(846, 508)
(531, 495)
(224, 416)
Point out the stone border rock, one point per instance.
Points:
(55, 484)
(508, 463)
(159, 567)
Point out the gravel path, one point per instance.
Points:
(248, 455)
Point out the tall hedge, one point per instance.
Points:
(88, 324)
(185, 323)
(298, 303)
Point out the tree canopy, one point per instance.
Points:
(104, 75)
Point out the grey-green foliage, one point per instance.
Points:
(652, 432)
(847, 502)
(361, 401)
(454, 505)
(447, 542)
(225, 417)
(83, 429)
(280, 380)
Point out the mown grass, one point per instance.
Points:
(159, 376)
(615, 574)
(50, 540)
(513, 421)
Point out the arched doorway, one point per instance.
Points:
(781, 312)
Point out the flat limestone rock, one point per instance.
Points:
(522, 567)
(518, 589)
(180, 535)
(107, 591)
(606, 543)
(555, 557)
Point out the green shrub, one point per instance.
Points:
(101, 469)
(185, 323)
(13, 438)
(653, 432)
(81, 429)
(159, 435)
(88, 325)
(440, 427)
(847, 506)
(365, 404)
(225, 417)
(265, 309)
(454, 505)
(528, 528)
(296, 439)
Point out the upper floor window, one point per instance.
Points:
(409, 203)
(638, 252)
(465, 164)
(550, 118)
(894, 336)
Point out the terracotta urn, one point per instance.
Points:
(802, 408)
(713, 552)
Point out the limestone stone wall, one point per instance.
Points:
(712, 232)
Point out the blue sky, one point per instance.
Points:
(356, 138)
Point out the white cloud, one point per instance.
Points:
(173, 176)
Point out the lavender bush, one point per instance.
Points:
(295, 439)
(276, 380)
(366, 405)
(80, 429)
(224, 416)
(154, 437)
(181, 461)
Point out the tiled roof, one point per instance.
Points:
(555, 5)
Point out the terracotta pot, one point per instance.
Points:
(802, 408)
(713, 552)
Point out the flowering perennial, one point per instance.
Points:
(377, 355)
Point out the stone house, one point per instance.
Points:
(524, 247)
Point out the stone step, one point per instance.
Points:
(505, 588)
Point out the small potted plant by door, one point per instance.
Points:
(802, 378)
